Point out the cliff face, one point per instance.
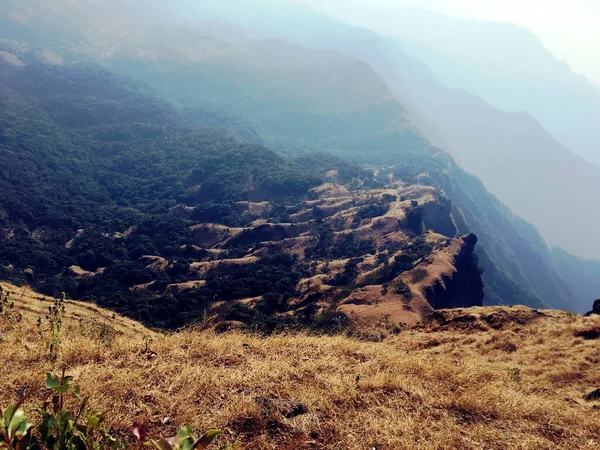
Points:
(455, 280)
(448, 277)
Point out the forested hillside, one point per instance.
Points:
(86, 156)
(297, 100)
(351, 113)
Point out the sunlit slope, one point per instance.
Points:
(479, 378)
(32, 305)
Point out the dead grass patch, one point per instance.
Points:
(421, 389)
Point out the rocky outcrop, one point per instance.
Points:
(595, 310)
(356, 254)
(453, 277)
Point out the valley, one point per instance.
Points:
(250, 225)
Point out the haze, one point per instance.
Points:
(568, 29)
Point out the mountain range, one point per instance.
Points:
(480, 58)
(322, 86)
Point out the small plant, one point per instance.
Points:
(7, 309)
(184, 440)
(15, 428)
(61, 428)
(55, 318)
(400, 287)
(99, 331)
(384, 289)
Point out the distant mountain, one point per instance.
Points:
(583, 276)
(324, 100)
(511, 153)
(466, 125)
(505, 65)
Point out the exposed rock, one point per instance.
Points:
(595, 310)
(453, 279)
(287, 408)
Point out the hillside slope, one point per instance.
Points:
(480, 57)
(485, 141)
(113, 196)
(332, 114)
(510, 152)
(485, 377)
(297, 99)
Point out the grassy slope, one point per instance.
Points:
(422, 389)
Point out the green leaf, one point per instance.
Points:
(7, 415)
(185, 438)
(23, 429)
(15, 423)
(206, 440)
(93, 420)
(186, 432)
(54, 383)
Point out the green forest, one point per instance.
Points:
(86, 155)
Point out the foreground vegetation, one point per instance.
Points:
(480, 378)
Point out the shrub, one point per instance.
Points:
(418, 275)
(7, 310)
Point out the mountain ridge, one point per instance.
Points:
(481, 61)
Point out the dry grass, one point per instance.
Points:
(441, 387)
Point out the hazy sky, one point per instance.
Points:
(570, 29)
